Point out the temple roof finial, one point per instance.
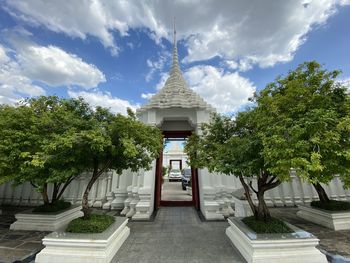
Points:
(175, 93)
(175, 66)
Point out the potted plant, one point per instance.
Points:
(308, 128)
(113, 142)
(35, 138)
(239, 147)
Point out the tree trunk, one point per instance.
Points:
(248, 195)
(321, 193)
(69, 180)
(263, 213)
(85, 202)
(56, 187)
(44, 195)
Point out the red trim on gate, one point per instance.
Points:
(158, 182)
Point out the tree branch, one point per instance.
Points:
(69, 180)
(247, 195)
(251, 186)
(271, 180)
(273, 185)
(34, 185)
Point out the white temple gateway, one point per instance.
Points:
(178, 111)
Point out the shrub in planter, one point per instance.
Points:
(93, 240)
(95, 224)
(332, 205)
(57, 206)
(332, 214)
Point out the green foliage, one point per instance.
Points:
(332, 205)
(36, 139)
(95, 224)
(305, 116)
(300, 121)
(57, 206)
(273, 226)
(234, 147)
(115, 142)
(52, 140)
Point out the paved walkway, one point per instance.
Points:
(172, 191)
(177, 235)
(16, 246)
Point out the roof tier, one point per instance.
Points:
(175, 93)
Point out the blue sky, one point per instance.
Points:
(117, 53)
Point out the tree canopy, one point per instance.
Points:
(234, 147)
(51, 140)
(114, 142)
(306, 116)
(300, 121)
(31, 148)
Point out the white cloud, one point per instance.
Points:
(27, 63)
(157, 65)
(56, 67)
(258, 32)
(13, 84)
(104, 99)
(226, 91)
(147, 96)
(163, 77)
(345, 82)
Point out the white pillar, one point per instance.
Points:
(145, 205)
(120, 184)
(127, 201)
(209, 207)
(135, 197)
(109, 192)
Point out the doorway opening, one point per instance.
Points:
(176, 182)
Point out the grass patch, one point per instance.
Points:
(52, 208)
(332, 205)
(271, 227)
(95, 224)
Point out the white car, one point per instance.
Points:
(174, 174)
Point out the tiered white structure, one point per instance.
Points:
(175, 108)
(178, 108)
(175, 152)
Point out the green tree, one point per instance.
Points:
(115, 142)
(306, 118)
(234, 147)
(31, 143)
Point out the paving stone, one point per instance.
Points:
(8, 255)
(34, 246)
(334, 242)
(8, 243)
(177, 235)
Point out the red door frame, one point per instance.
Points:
(158, 189)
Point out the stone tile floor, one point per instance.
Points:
(176, 235)
(334, 242)
(173, 191)
(17, 245)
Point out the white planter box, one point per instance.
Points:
(27, 220)
(297, 247)
(330, 219)
(84, 248)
